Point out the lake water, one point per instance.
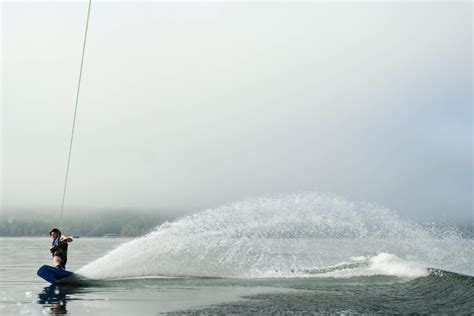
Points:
(296, 254)
(22, 292)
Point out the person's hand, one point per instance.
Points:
(53, 249)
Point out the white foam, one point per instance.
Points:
(390, 264)
(381, 264)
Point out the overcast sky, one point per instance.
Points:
(188, 105)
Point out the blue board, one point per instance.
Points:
(52, 274)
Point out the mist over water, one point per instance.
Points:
(298, 235)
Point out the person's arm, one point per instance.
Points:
(65, 238)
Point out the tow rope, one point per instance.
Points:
(75, 113)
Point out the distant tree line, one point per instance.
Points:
(121, 223)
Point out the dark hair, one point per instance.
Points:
(54, 230)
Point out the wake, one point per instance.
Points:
(299, 235)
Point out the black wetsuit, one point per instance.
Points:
(61, 252)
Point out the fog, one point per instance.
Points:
(188, 105)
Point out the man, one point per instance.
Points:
(59, 248)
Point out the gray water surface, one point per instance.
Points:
(22, 292)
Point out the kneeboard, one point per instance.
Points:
(52, 274)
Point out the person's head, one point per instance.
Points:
(54, 233)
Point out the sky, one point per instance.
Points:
(188, 105)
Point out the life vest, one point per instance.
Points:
(61, 249)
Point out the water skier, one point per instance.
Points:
(59, 248)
